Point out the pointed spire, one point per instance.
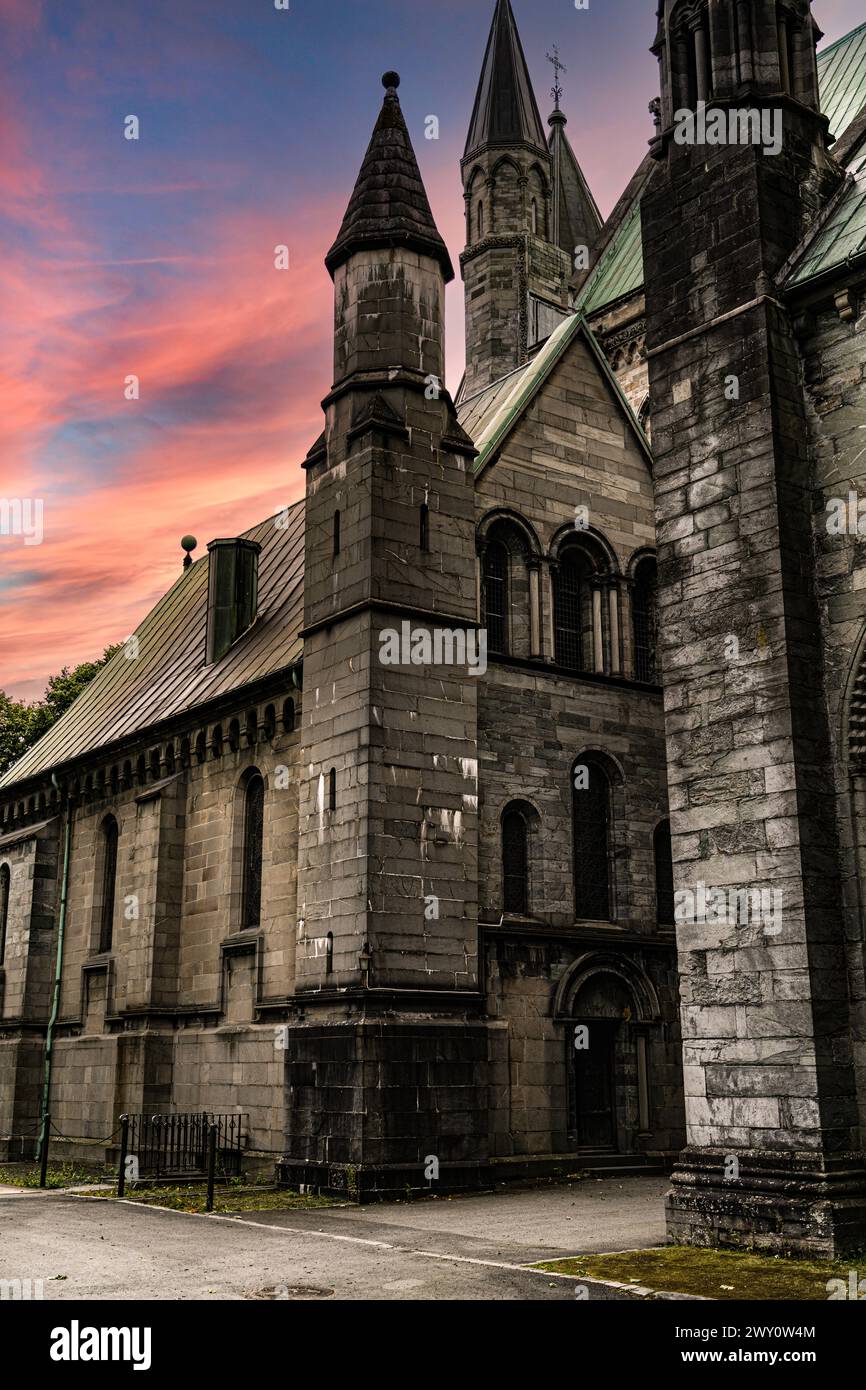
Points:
(576, 218)
(389, 206)
(505, 111)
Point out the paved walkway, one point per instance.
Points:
(458, 1248)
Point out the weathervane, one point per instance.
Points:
(558, 67)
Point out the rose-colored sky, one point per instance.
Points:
(155, 257)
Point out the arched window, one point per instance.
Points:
(480, 221)
(5, 880)
(336, 534)
(254, 826)
(664, 873)
(644, 620)
(496, 596)
(533, 217)
(573, 610)
(424, 527)
(591, 812)
(110, 836)
(515, 861)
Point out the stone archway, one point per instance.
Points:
(607, 1002)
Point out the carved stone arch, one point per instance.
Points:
(622, 968)
(609, 846)
(478, 217)
(247, 860)
(513, 518)
(509, 562)
(506, 160)
(644, 552)
(505, 175)
(593, 541)
(533, 890)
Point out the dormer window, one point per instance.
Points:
(232, 593)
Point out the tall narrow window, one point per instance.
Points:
(336, 533)
(515, 863)
(533, 217)
(480, 221)
(568, 612)
(424, 527)
(643, 607)
(109, 883)
(496, 596)
(591, 796)
(254, 826)
(664, 873)
(332, 789)
(5, 880)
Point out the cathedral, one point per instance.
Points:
(499, 809)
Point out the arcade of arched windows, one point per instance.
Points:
(505, 199)
(711, 52)
(572, 607)
(200, 744)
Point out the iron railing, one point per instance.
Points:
(177, 1144)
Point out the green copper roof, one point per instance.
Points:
(620, 270)
(842, 236)
(490, 415)
(842, 79)
(842, 88)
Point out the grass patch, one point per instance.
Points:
(233, 1198)
(719, 1274)
(58, 1175)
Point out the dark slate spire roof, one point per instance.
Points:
(389, 206)
(505, 111)
(576, 216)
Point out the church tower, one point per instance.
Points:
(387, 960)
(516, 274)
(774, 1150)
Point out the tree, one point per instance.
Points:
(22, 724)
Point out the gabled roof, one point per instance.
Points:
(842, 79)
(619, 271)
(835, 242)
(505, 110)
(168, 676)
(389, 205)
(842, 90)
(490, 416)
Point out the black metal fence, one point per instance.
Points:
(176, 1145)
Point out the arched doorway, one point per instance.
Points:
(606, 1003)
(601, 1050)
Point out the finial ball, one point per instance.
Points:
(188, 543)
(391, 79)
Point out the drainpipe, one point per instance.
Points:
(58, 968)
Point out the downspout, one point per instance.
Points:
(58, 970)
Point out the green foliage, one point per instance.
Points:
(22, 724)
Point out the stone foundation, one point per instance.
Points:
(789, 1203)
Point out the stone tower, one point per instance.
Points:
(774, 1148)
(516, 275)
(387, 973)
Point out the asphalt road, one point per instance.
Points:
(461, 1248)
